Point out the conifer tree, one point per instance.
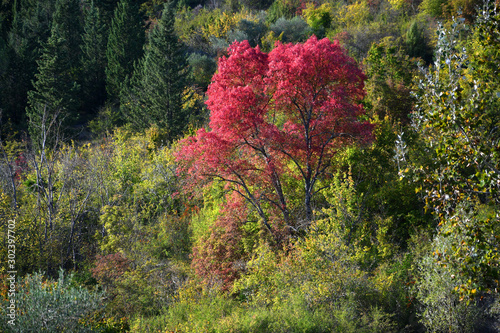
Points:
(30, 28)
(154, 95)
(93, 60)
(54, 93)
(125, 42)
(106, 8)
(68, 17)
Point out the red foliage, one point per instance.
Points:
(21, 166)
(108, 269)
(295, 106)
(275, 118)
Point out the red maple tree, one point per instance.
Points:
(278, 119)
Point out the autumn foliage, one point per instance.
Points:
(277, 115)
(276, 120)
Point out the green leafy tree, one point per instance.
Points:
(125, 42)
(292, 30)
(282, 8)
(457, 119)
(154, 95)
(5, 16)
(442, 310)
(202, 69)
(390, 73)
(107, 8)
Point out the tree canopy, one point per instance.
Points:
(277, 117)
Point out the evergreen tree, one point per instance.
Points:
(31, 24)
(93, 60)
(5, 16)
(416, 44)
(54, 94)
(125, 42)
(106, 8)
(154, 93)
(68, 17)
(30, 28)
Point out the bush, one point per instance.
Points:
(202, 68)
(442, 310)
(253, 30)
(53, 306)
(294, 30)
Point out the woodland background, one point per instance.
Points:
(164, 177)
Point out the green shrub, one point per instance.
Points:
(442, 310)
(52, 306)
(202, 68)
(294, 30)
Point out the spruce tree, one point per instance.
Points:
(31, 22)
(68, 17)
(125, 43)
(53, 100)
(106, 8)
(154, 95)
(93, 60)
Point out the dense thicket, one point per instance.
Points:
(211, 166)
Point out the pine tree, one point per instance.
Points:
(415, 43)
(125, 42)
(31, 21)
(53, 99)
(93, 60)
(5, 16)
(154, 95)
(107, 8)
(68, 17)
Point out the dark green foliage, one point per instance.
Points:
(93, 60)
(68, 18)
(294, 30)
(125, 42)
(4, 66)
(389, 101)
(154, 93)
(54, 89)
(107, 8)
(202, 68)
(256, 4)
(253, 30)
(30, 28)
(4, 57)
(390, 73)
(416, 43)
(5, 16)
(31, 22)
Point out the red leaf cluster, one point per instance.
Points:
(276, 119)
(280, 114)
(110, 268)
(277, 114)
